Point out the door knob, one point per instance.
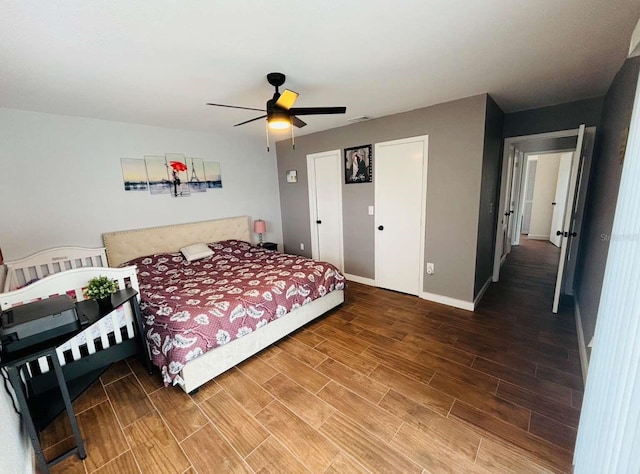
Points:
(573, 234)
(380, 227)
(553, 203)
(318, 222)
(558, 232)
(565, 234)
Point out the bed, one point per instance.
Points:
(146, 247)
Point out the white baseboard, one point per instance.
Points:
(456, 303)
(582, 346)
(538, 237)
(481, 293)
(359, 279)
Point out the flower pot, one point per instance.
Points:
(104, 304)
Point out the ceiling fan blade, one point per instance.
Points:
(252, 120)
(237, 107)
(317, 110)
(287, 99)
(297, 122)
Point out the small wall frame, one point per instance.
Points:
(358, 164)
(292, 176)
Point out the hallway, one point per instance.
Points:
(542, 345)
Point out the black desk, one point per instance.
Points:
(43, 405)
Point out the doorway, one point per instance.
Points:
(544, 195)
(514, 205)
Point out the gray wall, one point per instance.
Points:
(603, 193)
(456, 137)
(487, 215)
(553, 118)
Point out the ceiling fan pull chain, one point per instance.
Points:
(293, 139)
(267, 129)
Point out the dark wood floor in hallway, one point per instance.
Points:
(385, 383)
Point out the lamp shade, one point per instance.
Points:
(259, 227)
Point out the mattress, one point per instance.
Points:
(190, 308)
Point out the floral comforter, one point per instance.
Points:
(190, 308)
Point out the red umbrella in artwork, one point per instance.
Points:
(178, 165)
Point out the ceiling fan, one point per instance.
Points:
(279, 111)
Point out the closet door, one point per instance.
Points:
(400, 177)
(325, 206)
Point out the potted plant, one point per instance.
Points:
(100, 289)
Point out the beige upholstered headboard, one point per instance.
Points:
(126, 245)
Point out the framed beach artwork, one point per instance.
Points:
(134, 174)
(157, 174)
(212, 174)
(195, 175)
(358, 164)
(172, 173)
(177, 170)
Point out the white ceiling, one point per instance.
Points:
(158, 62)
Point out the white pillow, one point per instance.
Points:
(196, 252)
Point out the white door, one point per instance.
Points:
(512, 210)
(559, 202)
(506, 217)
(400, 180)
(527, 195)
(325, 206)
(567, 227)
(518, 189)
(578, 210)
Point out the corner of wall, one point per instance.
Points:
(17, 454)
(582, 344)
(489, 195)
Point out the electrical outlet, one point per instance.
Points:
(431, 268)
(370, 210)
(301, 246)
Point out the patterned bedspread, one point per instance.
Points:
(190, 308)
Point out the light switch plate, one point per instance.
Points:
(370, 210)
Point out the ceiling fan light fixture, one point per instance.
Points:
(279, 122)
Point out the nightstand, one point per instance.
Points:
(270, 246)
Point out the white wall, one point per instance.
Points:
(61, 181)
(544, 193)
(16, 447)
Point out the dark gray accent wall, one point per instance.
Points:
(603, 193)
(456, 147)
(553, 118)
(487, 215)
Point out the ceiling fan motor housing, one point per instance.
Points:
(276, 79)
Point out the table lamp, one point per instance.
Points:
(259, 227)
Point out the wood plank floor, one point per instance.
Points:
(385, 383)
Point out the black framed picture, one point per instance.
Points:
(358, 164)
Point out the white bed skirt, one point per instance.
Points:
(199, 371)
